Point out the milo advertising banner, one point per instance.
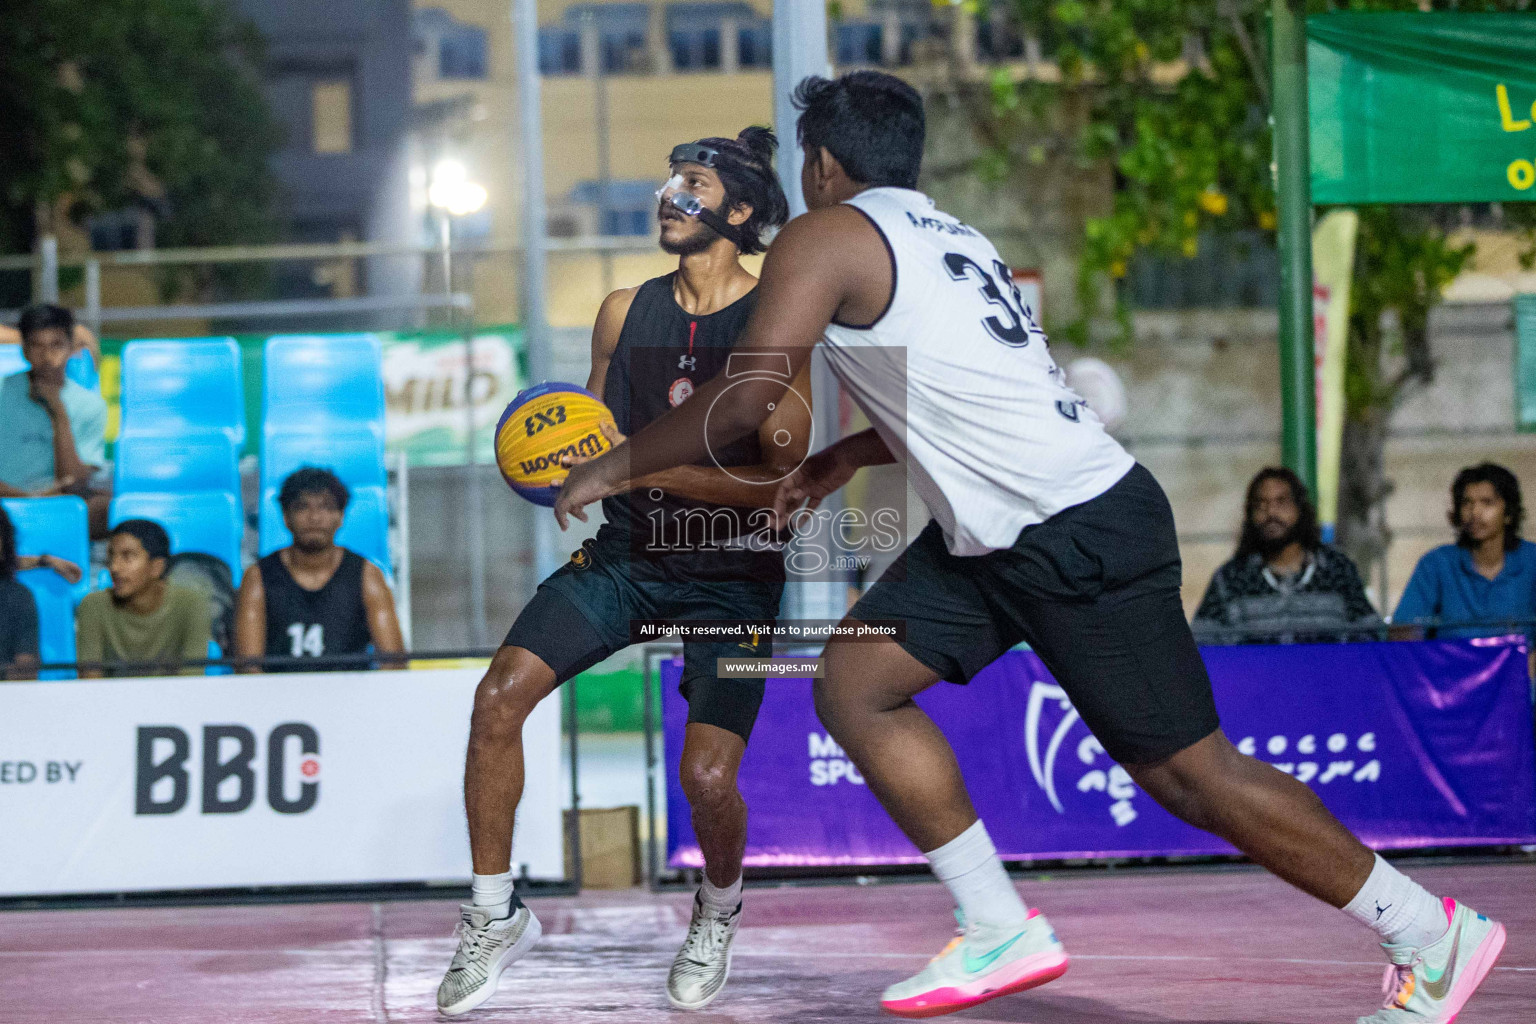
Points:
(424, 392)
(424, 389)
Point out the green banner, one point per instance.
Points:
(424, 390)
(1422, 108)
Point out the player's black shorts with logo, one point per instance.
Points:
(582, 614)
(1094, 590)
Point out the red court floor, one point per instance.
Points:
(1232, 946)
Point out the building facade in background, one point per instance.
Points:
(338, 78)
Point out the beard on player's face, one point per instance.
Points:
(681, 241)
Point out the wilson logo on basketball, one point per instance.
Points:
(588, 447)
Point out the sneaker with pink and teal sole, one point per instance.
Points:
(1430, 984)
(982, 962)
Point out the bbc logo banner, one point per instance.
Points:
(132, 785)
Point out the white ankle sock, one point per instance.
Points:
(1398, 908)
(969, 868)
(494, 892)
(722, 901)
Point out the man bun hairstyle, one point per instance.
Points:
(870, 121)
(745, 167)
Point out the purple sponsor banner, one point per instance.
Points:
(1410, 744)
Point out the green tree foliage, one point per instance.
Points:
(109, 103)
(1173, 95)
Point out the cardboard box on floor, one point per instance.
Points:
(610, 847)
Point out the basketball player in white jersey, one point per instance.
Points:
(1044, 530)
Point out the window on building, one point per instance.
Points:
(449, 48)
(331, 116)
(559, 51)
(858, 42)
(461, 53)
(121, 230)
(695, 49)
(754, 44)
(625, 207)
(623, 51)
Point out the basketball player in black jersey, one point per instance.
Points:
(315, 599)
(676, 545)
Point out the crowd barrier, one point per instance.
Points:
(244, 781)
(1412, 744)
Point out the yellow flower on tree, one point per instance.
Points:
(1214, 202)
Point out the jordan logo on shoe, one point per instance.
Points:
(977, 964)
(1382, 910)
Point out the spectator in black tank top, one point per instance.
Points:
(315, 599)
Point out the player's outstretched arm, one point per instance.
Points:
(817, 264)
(784, 439)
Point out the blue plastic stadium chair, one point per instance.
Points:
(207, 521)
(81, 368)
(56, 602)
(190, 462)
(354, 453)
(324, 379)
(364, 528)
(215, 652)
(12, 361)
(53, 526)
(183, 386)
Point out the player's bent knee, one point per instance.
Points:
(708, 781)
(511, 688)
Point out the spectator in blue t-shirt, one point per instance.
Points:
(1488, 576)
(52, 430)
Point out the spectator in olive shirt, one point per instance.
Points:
(142, 619)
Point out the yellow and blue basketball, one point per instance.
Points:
(543, 425)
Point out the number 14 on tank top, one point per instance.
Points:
(308, 640)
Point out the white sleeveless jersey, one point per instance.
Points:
(956, 377)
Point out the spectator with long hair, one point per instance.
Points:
(1484, 584)
(1283, 583)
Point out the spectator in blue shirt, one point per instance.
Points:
(1489, 575)
(52, 430)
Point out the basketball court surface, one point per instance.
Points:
(1229, 946)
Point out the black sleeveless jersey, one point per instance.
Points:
(311, 623)
(663, 354)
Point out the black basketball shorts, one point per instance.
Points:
(582, 614)
(1094, 590)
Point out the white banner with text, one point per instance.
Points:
(261, 780)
